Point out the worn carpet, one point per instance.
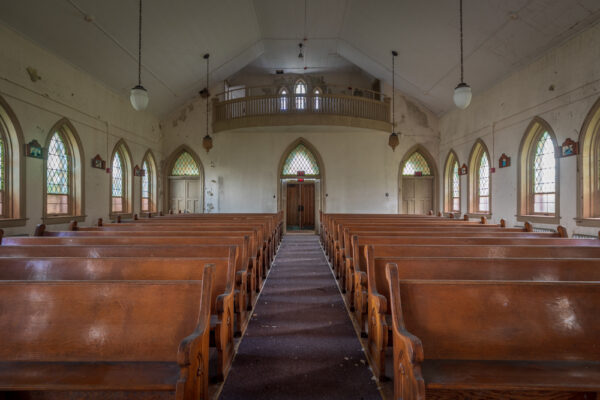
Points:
(300, 343)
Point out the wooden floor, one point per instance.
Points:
(300, 343)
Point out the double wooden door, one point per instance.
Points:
(185, 195)
(300, 206)
(417, 194)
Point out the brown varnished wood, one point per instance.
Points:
(508, 339)
(106, 335)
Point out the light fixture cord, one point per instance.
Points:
(462, 78)
(207, 94)
(393, 92)
(140, 47)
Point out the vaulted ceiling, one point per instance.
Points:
(100, 37)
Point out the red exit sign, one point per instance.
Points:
(300, 179)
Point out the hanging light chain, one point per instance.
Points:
(140, 47)
(462, 78)
(394, 54)
(206, 56)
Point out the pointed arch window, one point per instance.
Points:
(317, 93)
(185, 166)
(301, 159)
(588, 205)
(283, 99)
(415, 165)
(452, 184)
(146, 188)
(121, 180)
(300, 95)
(538, 174)
(63, 175)
(2, 174)
(12, 169)
(480, 182)
(58, 177)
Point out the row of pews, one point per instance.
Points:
(146, 308)
(469, 309)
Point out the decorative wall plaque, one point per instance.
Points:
(569, 148)
(504, 161)
(34, 149)
(98, 162)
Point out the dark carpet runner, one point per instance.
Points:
(300, 343)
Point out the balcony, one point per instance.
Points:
(266, 106)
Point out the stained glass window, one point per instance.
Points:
(283, 99)
(2, 162)
(117, 183)
(455, 188)
(300, 159)
(57, 177)
(185, 166)
(317, 99)
(300, 92)
(416, 163)
(146, 187)
(483, 183)
(544, 175)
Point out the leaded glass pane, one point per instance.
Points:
(117, 177)
(416, 163)
(283, 100)
(544, 165)
(57, 167)
(300, 159)
(484, 176)
(317, 99)
(455, 188)
(300, 92)
(185, 166)
(2, 157)
(145, 181)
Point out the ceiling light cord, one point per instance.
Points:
(462, 77)
(140, 47)
(207, 92)
(393, 91)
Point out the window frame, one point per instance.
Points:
(75, 154)
(127, 185)
(283, 99)
(300, 99)
(153, 184)
(317, 100)
(451, 161)
(292, 151)
(477, 151)
(588, 162)
(526, 178)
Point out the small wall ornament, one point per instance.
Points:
(137, 171)
(504, 161)
(34, 150)
(98, 162)
(463, 170)
(569, 148)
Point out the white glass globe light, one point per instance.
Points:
(139, 98)
(462, 95)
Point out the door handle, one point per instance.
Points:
(300, 208)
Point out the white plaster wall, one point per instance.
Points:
(360, 168)
(100, 116)
(501, 114)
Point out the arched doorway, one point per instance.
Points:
(184, 182)
(417, 182)
(300, 183)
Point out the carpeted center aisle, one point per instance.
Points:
(300, 343)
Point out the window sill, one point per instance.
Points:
(591, 222)
(122, 215)
(63, 219)
(12, 222)
(479, 215)
(539, 219)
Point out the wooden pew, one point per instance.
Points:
(223, 307)
(495, 339)
(245, 282)
(90, 338)
(378, 306)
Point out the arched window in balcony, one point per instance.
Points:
(300, 94)
(283, 99)
(317, 99)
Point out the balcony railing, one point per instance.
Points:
(355, 108)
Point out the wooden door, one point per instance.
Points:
(185, 195)
(417, 195)
(300, 206)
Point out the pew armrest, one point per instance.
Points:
(408, 357)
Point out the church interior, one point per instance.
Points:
(300, 199)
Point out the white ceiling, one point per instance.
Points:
(500, 36)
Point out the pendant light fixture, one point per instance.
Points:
(207, 140)
(462, 92)
(393, 141)
(139, 94)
